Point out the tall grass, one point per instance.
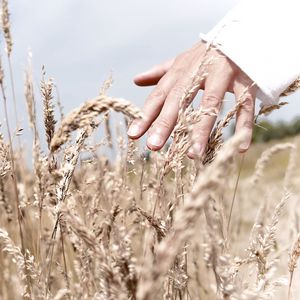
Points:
(136, 225)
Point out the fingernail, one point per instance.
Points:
(155, 140)
(134, 130)
(196, 149)
(244, 147)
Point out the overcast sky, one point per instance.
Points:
(81, 42)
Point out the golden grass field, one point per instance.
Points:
(83, 223)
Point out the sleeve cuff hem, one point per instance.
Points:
(263, 94)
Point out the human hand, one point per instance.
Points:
(173, 78)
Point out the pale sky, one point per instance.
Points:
(81, 42)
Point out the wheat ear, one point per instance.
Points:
(85, 116)
(294, 256)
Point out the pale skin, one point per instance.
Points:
(173, 78)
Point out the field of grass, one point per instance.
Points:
(81, 224)
(133, 228)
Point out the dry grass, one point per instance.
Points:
(83, 225)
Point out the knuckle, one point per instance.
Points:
(178, 91)
(162, 123)
(248, 124)
(210, 100)
(247, 104)
(158, 94)
(200, 131)
(179, 72)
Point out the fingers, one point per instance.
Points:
(216, 86)
(156, 101)
(152, 106)
(152, 76)
(166, 121)
(173, 79)
(245, 91)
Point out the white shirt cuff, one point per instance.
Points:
(262, 38)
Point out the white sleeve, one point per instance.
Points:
(262, 37)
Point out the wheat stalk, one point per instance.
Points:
(186, 218)
(5, 24)
(85, 117)
(265, 158)
(49, 118)
(292, 88)
(293, 262)
(6, 27)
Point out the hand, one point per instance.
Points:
(173, 78)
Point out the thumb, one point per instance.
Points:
(153, 75)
